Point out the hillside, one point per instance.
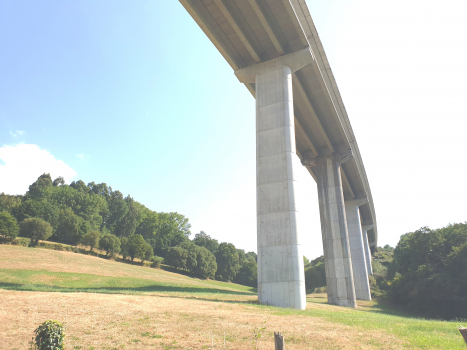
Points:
(132, 307)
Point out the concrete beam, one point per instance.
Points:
(346, 182)
(357, 202)
(367, 253)
(295, 61)
(312, 113)
(357, 249)
(237, 30)
(199, 14)
(266, 26)
(294, 18)
(301, 128)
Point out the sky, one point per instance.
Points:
(133, 94)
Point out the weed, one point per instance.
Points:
(257, 333)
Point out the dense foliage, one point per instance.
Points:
(381, 263)
(94, 215)
(36, 229)
(315, 276)
(9, 228)
(430, 272)
(50, 335)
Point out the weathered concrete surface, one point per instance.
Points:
(357, 249)
(337, 258)
(281, 279)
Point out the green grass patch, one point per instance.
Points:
(415, 332)
(45, 281)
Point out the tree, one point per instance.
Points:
(176, 257)
(204, 240)
(110, 243)
(36, 229)
(206, 265)
(315, 274)
(80, 186)
(227, 262)
(251, 256)
(127, 225)
(136, 247)
(429, 269)
(248, 274)
(59, 181)
(305, 261)
(9, 228)
(31, 208)
(149, 252)
(39, 188)
(70, 228)
(9, 203)
(91, 239)
(241, 256)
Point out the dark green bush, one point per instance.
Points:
(21, 241)
(315, 275)
(431, 272)
(36, 229)
(156, 262)
(9, 228)
(49, 336)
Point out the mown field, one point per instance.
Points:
(110, 305)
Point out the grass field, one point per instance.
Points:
(110, 305)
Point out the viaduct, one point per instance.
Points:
(274, 49)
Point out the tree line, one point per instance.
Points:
(95, 215)
(426, 273)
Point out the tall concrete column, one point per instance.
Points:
(365, 229)
(337, 258)
(357, 249)
(281, 278)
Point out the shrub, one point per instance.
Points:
(36, 229)
(49, 336)
(315, 274)
(8, 227)
(248, 274)
(110, 243)
(136, 247)
(156, 262)
(431, 272)
(21, 241)
(91, 239)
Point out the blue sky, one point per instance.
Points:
(133, 94)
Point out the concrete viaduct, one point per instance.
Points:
(274, 49)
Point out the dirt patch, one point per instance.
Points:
(168, 322)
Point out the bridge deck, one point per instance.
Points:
(247, 32)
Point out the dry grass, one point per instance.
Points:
(20, 258)
(184, 315)
(165, 322)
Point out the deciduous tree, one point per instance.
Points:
(9, 228)
(36, 229)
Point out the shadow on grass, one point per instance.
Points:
(117, 290)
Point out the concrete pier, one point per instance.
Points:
(337, 258)
(365, 228)
(357, 249)
(281, 278)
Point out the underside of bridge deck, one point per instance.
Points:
(252, 32)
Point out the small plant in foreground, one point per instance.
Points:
(257, 333)
(49, 336)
